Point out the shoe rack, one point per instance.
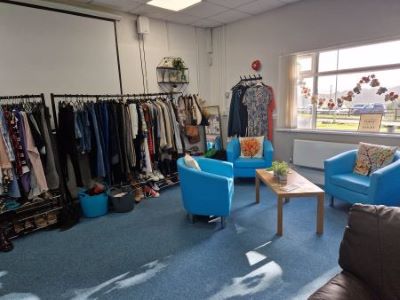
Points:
(39, 214)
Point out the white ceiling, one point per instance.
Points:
(208, 13)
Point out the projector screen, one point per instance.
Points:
(44, 51)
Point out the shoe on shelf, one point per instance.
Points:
(47, 195)
(154, 186)
(159, 174)
(149, 192)
(40, 221)
(52, 218)
(18, 228)
(169, 181)
(138, 194)
(134, 184)
(5, 244)
(154, 177)
(142, 177)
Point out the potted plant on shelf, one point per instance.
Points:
(179, 65)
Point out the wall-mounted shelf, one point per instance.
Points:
(172, 76)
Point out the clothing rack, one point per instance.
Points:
(24, 97)
(28, 212)
(63, 97)
(170, 178)
(252, 77)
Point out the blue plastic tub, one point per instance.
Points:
(93, 206)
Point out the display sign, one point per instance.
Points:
(370, 123)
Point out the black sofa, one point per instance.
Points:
(369, 256)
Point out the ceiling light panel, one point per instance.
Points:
(174, 5)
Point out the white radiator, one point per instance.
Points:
(313, 153)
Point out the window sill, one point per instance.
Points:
(334, 132)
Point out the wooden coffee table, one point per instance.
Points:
(305, 189)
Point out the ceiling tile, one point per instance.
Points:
(207, 23)
(260, 6)
(230, 3)
(204, 10)
(123, 5)
(148, 10)
(181, 18)
(229, 16)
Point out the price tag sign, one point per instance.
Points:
(370, 123)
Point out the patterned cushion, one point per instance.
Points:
(251, 147)
(372, 157)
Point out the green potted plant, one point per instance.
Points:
(280, 169)
(179, 65)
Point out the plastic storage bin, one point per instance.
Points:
(124, 203)
(93, 206)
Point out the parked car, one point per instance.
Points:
(359, 109)
(343, 111)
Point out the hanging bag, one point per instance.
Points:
(200, 118)
(192, 133)
(192, 111)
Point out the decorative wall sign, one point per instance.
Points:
(370, 123)
(256, 65)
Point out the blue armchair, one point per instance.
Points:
(207, 192)
(246, 167)
(381, 187)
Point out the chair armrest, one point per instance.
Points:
(217, 167)
(233, 150)
(385, 185)
(340, 164)
(268, 151)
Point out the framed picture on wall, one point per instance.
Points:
(370, 123)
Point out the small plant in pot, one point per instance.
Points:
(179, 65)
(280, 169)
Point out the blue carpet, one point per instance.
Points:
(153, 252)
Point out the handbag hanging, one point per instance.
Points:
(200, 118)
(192, 110)
(193, 134)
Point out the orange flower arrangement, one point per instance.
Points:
(250, 147)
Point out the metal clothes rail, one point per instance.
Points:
(251, 77)
(64, 97)
(29, 212)
(28, 98)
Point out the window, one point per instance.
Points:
(335, 87)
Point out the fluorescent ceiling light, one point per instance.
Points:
(175, 5)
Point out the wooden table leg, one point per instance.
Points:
(280, 216)
(257, 189)
(320, 214)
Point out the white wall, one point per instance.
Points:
(165, 39)
(302, 26)
(44, 51)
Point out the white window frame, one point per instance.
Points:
(314, 74)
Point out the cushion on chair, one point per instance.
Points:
(342, 287)
(353, 182)
(372, 157)
(254, 163)
(191, 162)
(251, 147)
